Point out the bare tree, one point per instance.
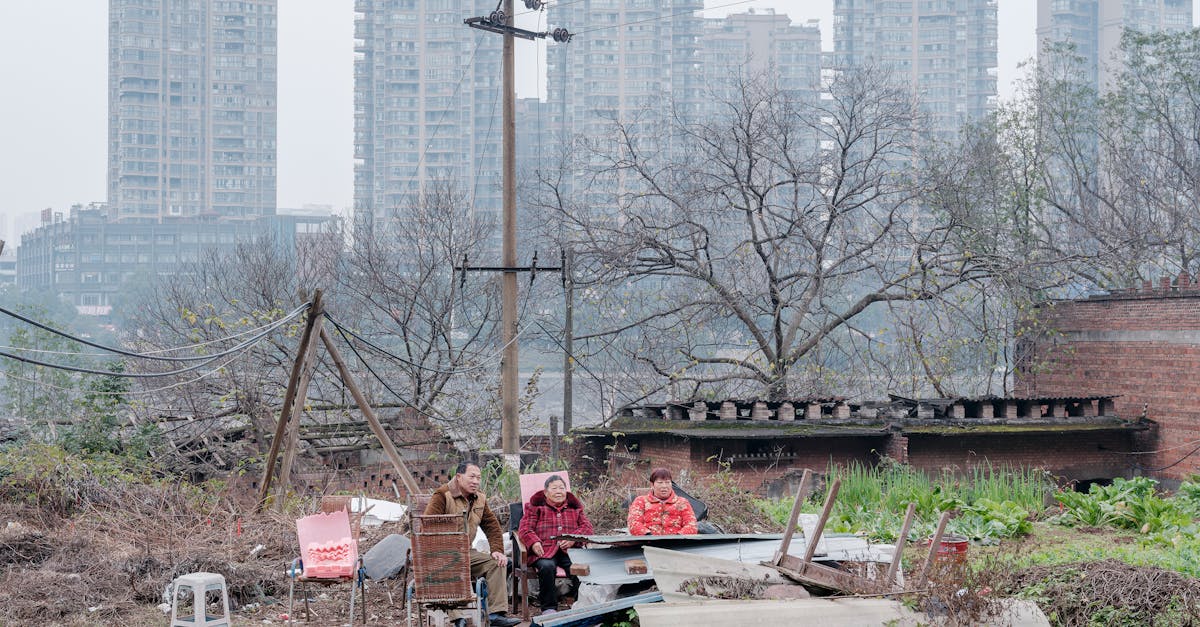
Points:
(770, 234)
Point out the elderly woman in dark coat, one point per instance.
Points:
(551, 512)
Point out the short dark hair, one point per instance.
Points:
(463, 465)
(660, 473)
(552, 479)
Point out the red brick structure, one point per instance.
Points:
(1143, 344)
(767, 444)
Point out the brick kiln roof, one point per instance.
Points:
(836, 418)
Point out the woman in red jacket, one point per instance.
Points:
(661, 512)
(549, 513)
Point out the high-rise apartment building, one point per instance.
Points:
(761, 43)
(633, 61)
(944, 49)
(427, 105)
(1094, 27)
(192, 109)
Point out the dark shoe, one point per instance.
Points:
(500, 620)
(460, 622)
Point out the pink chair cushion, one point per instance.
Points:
(327, 547)
(531, 484)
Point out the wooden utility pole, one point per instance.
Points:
(568, 341)
(510, 429)
(307, 340)
(501, 22)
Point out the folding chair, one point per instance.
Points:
(328, 555)
(441, 566)
(518, 582)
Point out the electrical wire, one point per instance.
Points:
(453, 99)
(487, 363)
(149, 352)
(120, 351)
(150, 375)
(380, 379)
(662, 17)
(1172, 464)
(128, 392)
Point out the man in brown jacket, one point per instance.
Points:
(462, 496)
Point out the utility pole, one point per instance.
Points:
(501, 22)
(568, 340)
(510, 429)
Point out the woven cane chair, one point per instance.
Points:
(441, 564)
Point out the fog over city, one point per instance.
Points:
(53, 119)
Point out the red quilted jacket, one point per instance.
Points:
(543, 521)
(649, 516)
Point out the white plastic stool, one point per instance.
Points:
(199, 584)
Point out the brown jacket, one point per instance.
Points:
(448, 499)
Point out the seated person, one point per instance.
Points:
(551, 512)
(462, 496)
(661, 512)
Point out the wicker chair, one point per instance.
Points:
(441, 564)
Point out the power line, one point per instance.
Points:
(150, 375)
(149, 352)
(203, 375)
(663, 17)
(120, 351)
(380, 379)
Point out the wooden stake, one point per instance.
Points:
(794, 517)
(811, 549)
(289, 397)
(933, 549)
(410, 483)
(890, 580)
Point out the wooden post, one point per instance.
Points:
(790, 530)
(293, 435)
(811, 549)
(934, 545)
(410, 483)
(553, 437)
(289, 397)
(890, 580)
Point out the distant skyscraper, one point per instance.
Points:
(192, 109)
(635, 60)
(426, 104)
(945, 50)
(1095, 27)
(761, 43)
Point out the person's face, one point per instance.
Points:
(661, 489)
(468, 480)
(556, 492)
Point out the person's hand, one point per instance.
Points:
(565, 544)
(537, 549)
(500, 558)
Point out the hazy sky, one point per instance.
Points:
(53, 114)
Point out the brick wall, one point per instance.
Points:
(1142, 344)
(1072, 455)
(631, 463)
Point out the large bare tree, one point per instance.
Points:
(764, 235)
